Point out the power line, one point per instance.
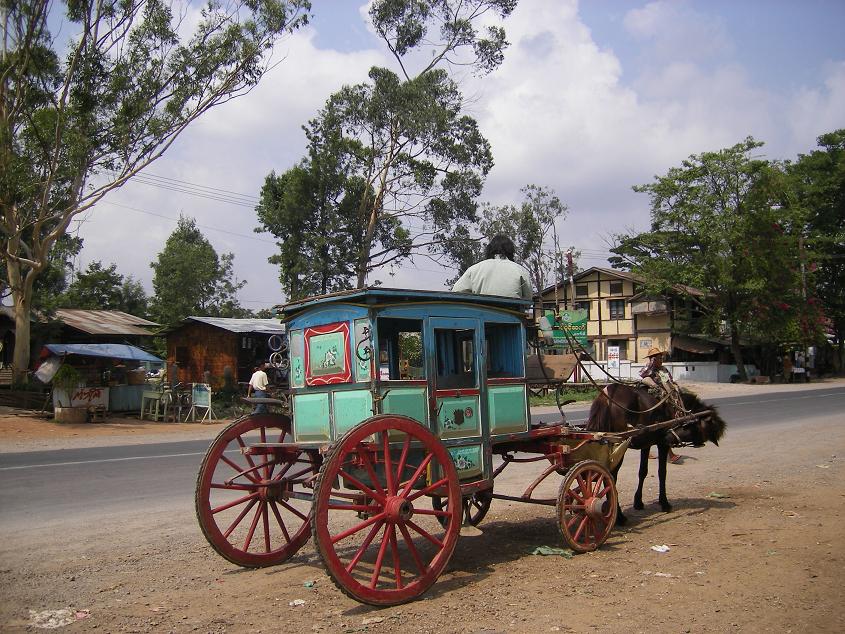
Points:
(210, 228)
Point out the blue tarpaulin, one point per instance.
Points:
(109, 350)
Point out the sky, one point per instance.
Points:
(593, 98)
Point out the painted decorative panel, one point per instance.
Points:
(458, 417)
(468, 461)
(327, 354)
(507, 407)
(363, 359)
(311, 417)
(297, 359)
(350, 408)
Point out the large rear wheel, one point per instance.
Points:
(253, 509)
(586, 506)
(380, 541)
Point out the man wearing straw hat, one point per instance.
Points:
(660, 381)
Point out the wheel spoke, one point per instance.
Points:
(580, 530)
(363, 487)
(394, 548)
(293, 510)
(388, 464)
(231, 487)
(425, 534)
(435, 512)
(351, 531)
(354, 562)
(265, 518)
(428, 489)
(239, 518)
(280, 520)
(385, 540)
(413, 549)
(416, 475)
(246, 455)
(229, 505)
(238, 470)
(403, 457)
(252, 528)
(368, 465)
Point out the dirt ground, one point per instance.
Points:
(755, 544)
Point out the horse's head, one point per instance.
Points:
(707, 428)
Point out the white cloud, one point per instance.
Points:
(561, 112)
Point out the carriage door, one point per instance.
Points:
(457, 377)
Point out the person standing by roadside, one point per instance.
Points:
(258, 384)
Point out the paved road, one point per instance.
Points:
(99, 483)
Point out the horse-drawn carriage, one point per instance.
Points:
(403, 408)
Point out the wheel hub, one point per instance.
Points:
(274, 491)
(594, 507)
(398, 509)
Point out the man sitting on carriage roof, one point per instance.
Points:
(497, 274)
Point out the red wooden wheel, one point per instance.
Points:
(253, 510)
(586, 506)
(380, 541)
(475, 506)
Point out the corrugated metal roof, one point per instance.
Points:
(263, 326)
(105, 322)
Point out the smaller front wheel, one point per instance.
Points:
(586, 506)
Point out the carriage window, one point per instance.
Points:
(504, 351)
(455, 358)
(400, 349)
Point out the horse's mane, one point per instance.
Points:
(695, 404)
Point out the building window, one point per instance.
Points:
(616, 308)
(182, 357)
(581, 290)
(616, 288)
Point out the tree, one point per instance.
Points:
(190, 279)
(312, 210)
(103, 288)
(78, 120)
(529, 225)
(417, 163)
(818, 179)
(718, 223)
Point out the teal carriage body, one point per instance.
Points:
(403, 407)
(453, 363)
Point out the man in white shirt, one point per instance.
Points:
(258, 384)
(498, 274)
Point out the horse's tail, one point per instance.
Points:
(599, 417)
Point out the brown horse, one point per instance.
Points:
(619, 405)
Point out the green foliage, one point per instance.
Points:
(190, 279)
(529, 225)
(718, 224)
(818, 180)
(80, 116)
(394, 168)
(103, 288)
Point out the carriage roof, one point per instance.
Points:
(379, 296)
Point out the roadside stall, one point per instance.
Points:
(108, 375)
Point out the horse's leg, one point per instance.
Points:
(638, 496)
(662, 456)
(621, 520)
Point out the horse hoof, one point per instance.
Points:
(621, 520)
(666, 507)
(639, 505)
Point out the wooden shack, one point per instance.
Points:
(210, 344)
